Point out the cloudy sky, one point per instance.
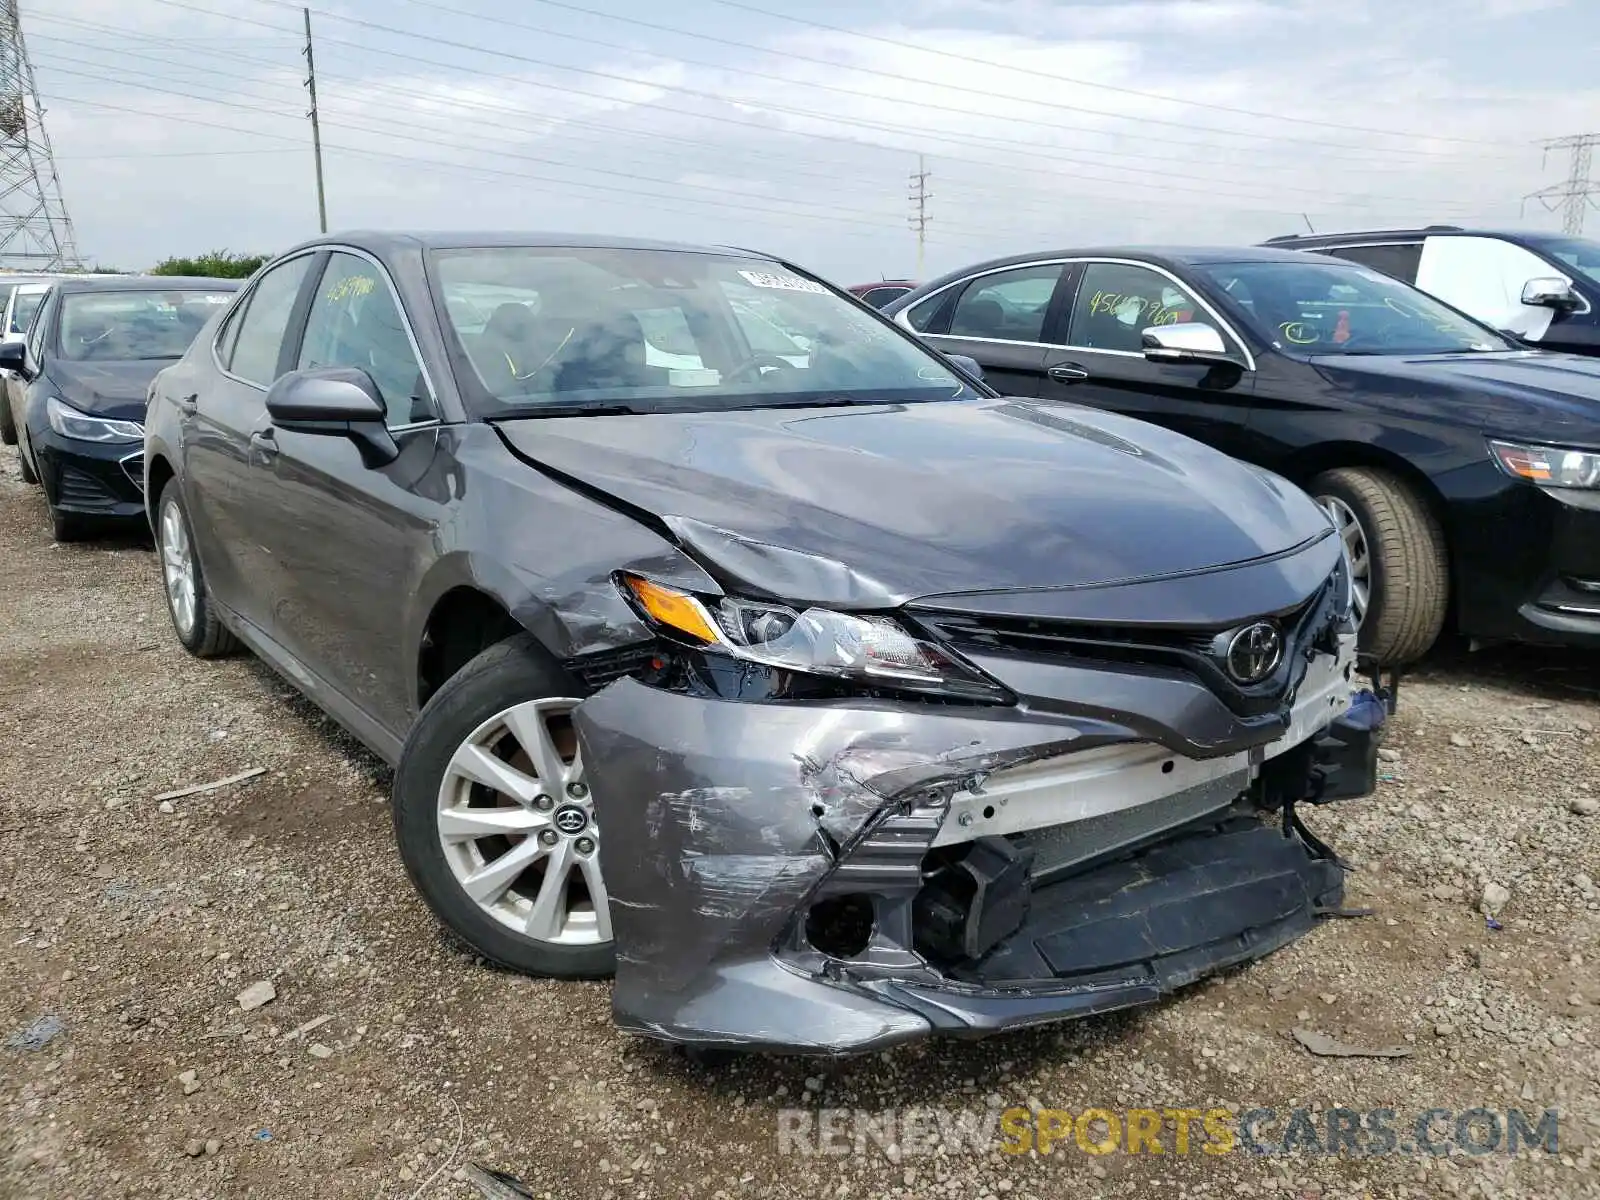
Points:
(179, 125)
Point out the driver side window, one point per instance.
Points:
(1116, 302)
(355, 322)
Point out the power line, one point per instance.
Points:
(1361, 154)
(943, 84)
(1051, 210)
(1032, 170)
(1576, 193)
(1125, 91)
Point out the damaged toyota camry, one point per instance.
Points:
(723, 636)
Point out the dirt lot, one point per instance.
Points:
(129, 929)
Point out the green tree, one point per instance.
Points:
(219, 264)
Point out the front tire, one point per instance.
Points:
(8, 427)
(66, 526)
(494, 818)
(1398, 558)
(194, 616)
(29, 475)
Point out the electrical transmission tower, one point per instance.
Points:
(35, 232)
(919, 209)
(1575, 194)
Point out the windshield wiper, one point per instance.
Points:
(572, 408)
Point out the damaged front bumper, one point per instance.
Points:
(840, 876)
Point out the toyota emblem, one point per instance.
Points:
(571, 819)
(1254, 653)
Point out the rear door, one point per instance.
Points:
(1100, 359)
(998, 318)
(349, 541)
(226, 507)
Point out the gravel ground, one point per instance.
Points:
(128, 1068)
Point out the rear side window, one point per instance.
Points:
(259, 341)
(920, 315)
(1009, 305)
(1396, 261)
(880, 296)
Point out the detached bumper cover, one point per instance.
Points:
(803, 877)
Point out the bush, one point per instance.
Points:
(219, 264)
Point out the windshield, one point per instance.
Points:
(23, 308)
(1581, 255)
(123, 326)
(658, 329)
(1330, 307)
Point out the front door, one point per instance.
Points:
(352, 539)
(230, 515)
(1100, 360)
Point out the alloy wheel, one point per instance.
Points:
(516, 824)
(177, 567)
(1357, 553)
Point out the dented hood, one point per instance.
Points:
(885, 503)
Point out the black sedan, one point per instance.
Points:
(1462, 470)
(895, 707)
(78, 384)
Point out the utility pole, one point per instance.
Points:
(1575, 194)
(919, 209)
(316, 128)
(35, 231)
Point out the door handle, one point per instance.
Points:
(190, 404)
(264, 443)
(1067, 374)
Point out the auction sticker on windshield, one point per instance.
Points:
(787, 283)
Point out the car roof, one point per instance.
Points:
(1170, 257)
(145, 283)
(1357, 236)
(381, 242)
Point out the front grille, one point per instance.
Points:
(1186, 651)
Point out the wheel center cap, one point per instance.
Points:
(570, 819)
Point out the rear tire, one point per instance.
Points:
(1406, 561)
(195, 620)
(518, 913)
(8, 427)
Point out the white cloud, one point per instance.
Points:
(815, 173)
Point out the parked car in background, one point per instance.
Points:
(76, 387)
(22, 295)
(1462, 470)
(881, 293)
(868, 730)
(1544, 288)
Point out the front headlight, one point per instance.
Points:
(70, 423)
(871, 650)
(1550, 466)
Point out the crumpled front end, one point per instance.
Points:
(838, 875)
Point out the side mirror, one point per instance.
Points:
(967, 364)
(1552, 292)
(341, 401)
(12, 355)
(1190, 342)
